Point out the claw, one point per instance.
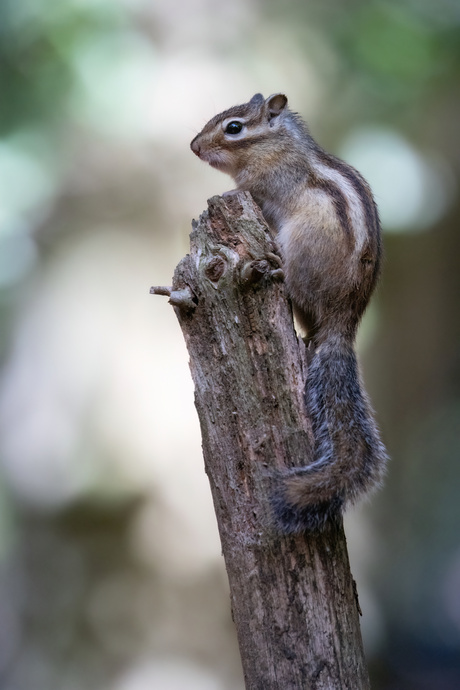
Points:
(254, 271)
(275, 259)
(277, 274)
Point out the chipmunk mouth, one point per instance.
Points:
(216, 158)
(216, 162)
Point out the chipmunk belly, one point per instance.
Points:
(318, 264)
(312, 238)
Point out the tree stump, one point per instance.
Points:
(293, 598)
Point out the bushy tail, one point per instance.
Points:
(349, 457)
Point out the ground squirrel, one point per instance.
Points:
(328, 232)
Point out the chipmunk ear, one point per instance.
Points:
(276, 104)
(257, 99)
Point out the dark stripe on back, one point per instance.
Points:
(361, 188)
(367, 200)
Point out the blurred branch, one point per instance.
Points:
(293, 598)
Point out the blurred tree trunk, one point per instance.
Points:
(293, 598)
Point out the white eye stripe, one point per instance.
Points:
(227, 121)
(250, 131)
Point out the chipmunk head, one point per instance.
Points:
(224, 139)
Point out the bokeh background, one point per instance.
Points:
(111, 576)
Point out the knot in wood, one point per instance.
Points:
(215, 269)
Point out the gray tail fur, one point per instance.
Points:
(349, 457)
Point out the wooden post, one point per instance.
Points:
(293, 598)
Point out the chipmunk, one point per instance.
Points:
(328, 232)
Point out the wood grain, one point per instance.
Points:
(293, 598)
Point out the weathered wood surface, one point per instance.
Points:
(293, 598)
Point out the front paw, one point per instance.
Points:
(277, 272)
(270, 266)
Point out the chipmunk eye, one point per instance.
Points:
(234, 127)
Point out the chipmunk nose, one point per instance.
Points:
(195, 147)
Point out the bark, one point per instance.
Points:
(293, 598)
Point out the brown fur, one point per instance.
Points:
(328, 231)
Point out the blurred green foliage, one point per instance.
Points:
(40, 46)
